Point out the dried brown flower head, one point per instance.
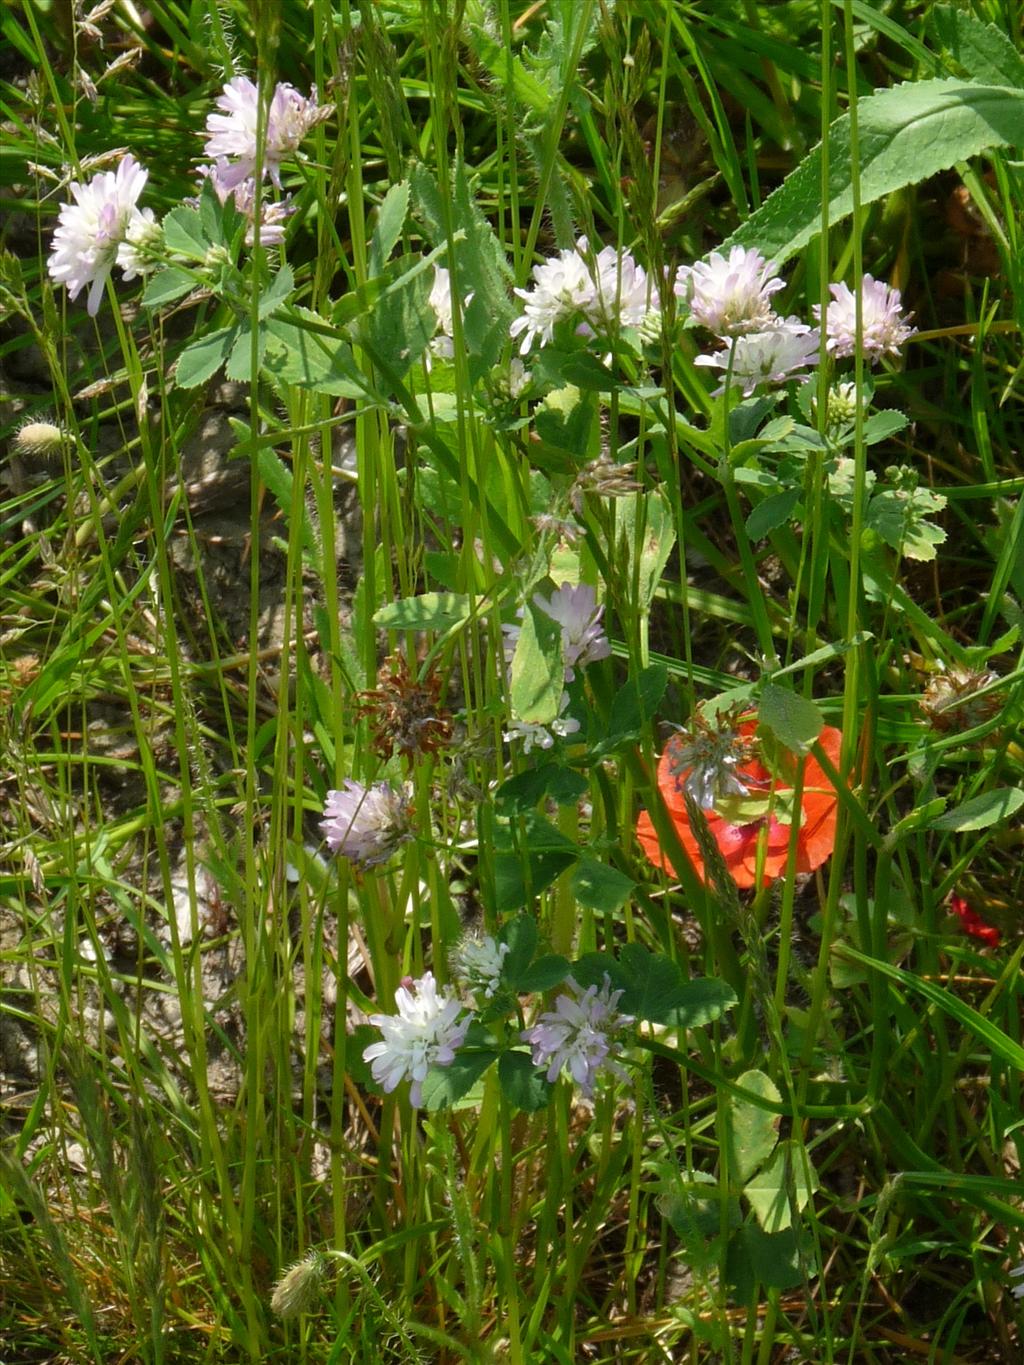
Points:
(604, 478)
(405, 712)
(951, 700)
(22, 671)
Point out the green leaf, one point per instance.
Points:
(768, 1192)
(635, 704)
(401, 323)
(183, 233)
(480, 273)
(239, 364)
(919, 818)
(756, 1257)
(794, 720)
(844, 974)
(648, 530)
(503, 63)
(534, 833)
(204, 357)
(478, 266)
(278, 477)
(166, 286)
(654, 988)
(824, 653)
(907, 134)
(277, 292)
(522, 792)
(654, 983)
(565, 420)
(519, 877)
(881, 425)
(523, 1084)
(521, 936)
(429, 611)
(753, 1132)
(538, 669)
(358, 1041)
(298, 354)
(600, 887)
(699, 1002)
(981, 812)
(899, 515)
(444, 1085)
(554, 369)
(388, 227)
(983, 51)
(695, 1212)
(549, 970)
(211, 214)
(772, 513)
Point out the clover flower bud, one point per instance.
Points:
(143, 247)
(840, 405)
(477, 963)
(216, 256)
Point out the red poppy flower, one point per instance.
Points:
(973, 923)
(738, 842)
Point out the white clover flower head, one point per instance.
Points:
(577, 611)
(442, 344)
(366, 824)
(576, 1037)
(510, 381)
(730, 295)
(622, 291)
(510, 632)
(784, 352)
(440, 298)
(884, 326)
(477, 963)
(712, 751)
(519, 378)
(273, 213)
(142, 248)
(562, 287)
(534, 736)
(91, 229)
(426, 1032)
(231, 134)
(290, 118)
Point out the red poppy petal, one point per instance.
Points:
(647, 837)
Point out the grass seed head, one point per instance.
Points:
(39, 440)
(299, 1287)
